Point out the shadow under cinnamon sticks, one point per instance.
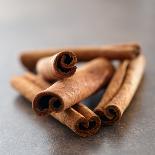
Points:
(121, 90)
(85, 53)
(78, 118)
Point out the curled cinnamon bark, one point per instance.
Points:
(67, 92)
(118, 51)
(121, 90)
(113, 88)
(83, 125)
(93, 122)
(58, 66)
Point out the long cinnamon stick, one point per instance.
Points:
(67, 92)
(121, 90)
(85, 53)
(58, 66)
(113, 87)
(83, 122)
(93, 121)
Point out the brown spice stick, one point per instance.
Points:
(85, 53)
(81, 125)
(117, 97)
(93, 122)
(58, 66)
(113, 87)
(67, 92)
(37, 80)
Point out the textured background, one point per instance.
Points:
(28, 24)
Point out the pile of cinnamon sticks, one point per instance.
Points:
(56, 87)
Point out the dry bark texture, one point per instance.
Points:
(67, 92)
(58, 66)
(86, 53)
(121, 90)
(80, 118)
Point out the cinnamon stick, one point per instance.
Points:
(93, 121)
(85, 53)
(83, 122)
(58, 66)
(67, 92)
(37, 80)
(121, 90)
(113, 87)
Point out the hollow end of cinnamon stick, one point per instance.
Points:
(64, 63)
(58, 66)
(93, 121)
(86, 128)
(109, 115)
(46, 102)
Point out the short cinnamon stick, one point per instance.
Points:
(83, 125)
(58, 66)
(67, 92)
(93, 121)
(85, 53)
(121, 90)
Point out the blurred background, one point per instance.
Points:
(31, 24)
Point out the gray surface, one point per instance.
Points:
(38, 24)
